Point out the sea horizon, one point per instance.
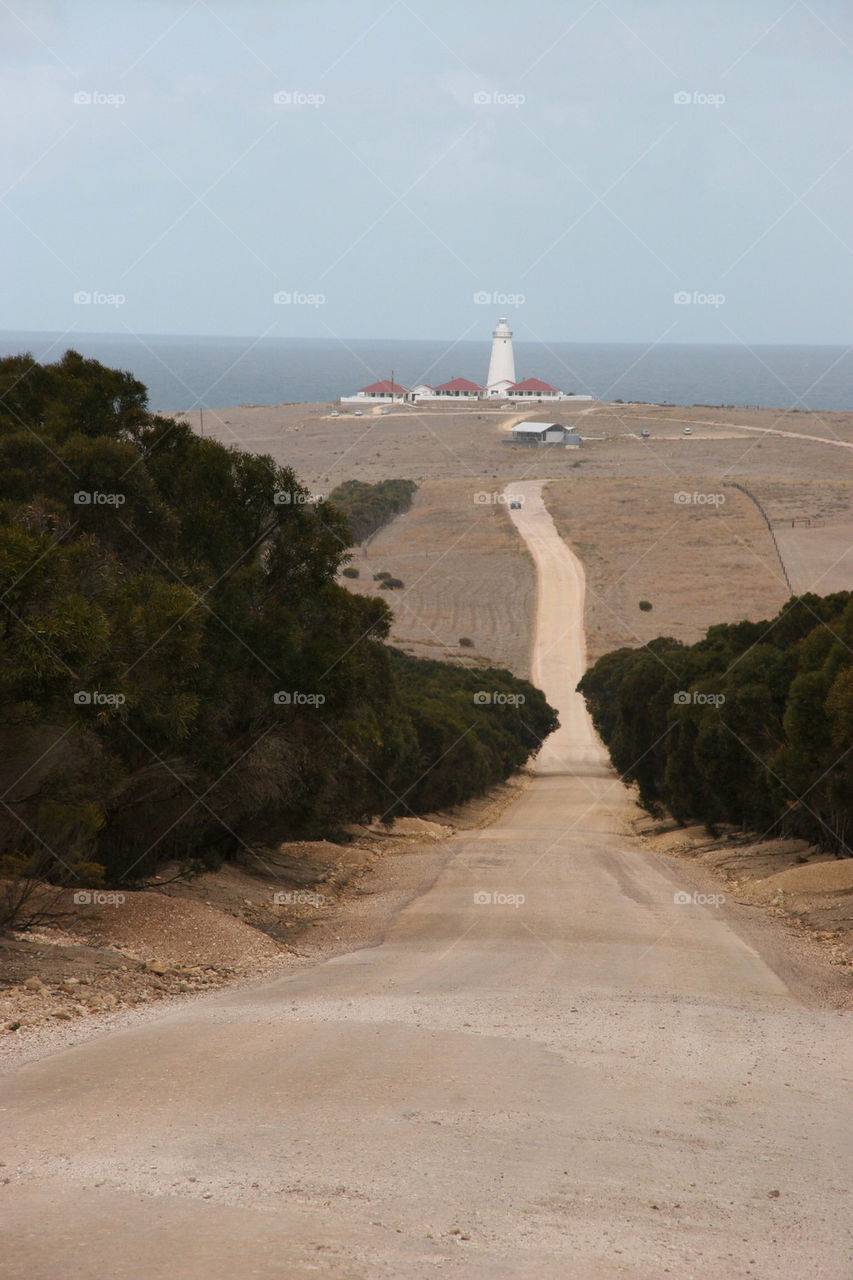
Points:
(183, 371)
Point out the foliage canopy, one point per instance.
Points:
(181, 675)
(753, 725)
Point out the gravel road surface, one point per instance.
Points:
(550, 1069)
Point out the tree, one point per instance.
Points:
(182, 674)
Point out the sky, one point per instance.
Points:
(599, 171)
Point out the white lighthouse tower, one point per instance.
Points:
(502, 362)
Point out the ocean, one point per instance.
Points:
(183, 372)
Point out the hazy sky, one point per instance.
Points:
(429, 152)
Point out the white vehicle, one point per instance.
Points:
(359, 413)
(335, 413)
(645, 433)
(688, 431)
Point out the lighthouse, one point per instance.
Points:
(502, 363)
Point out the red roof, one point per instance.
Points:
(532, 384)
(389, 388)
(458, 384)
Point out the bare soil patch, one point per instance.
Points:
(99, 959)
(433, 443)
(418, 442)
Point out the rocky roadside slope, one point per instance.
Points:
(811, 892)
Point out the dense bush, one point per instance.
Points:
(181, 673)
(753, 725)
(468, 737)
(370, 506)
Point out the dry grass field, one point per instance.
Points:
(465, 575)
(614, 500)
(696, 564)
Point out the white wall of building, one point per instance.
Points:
(502, 362)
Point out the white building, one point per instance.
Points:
(501, 374)
(533, 389)
(459, 389)
(501, 383)
(385, 392)
(456, 389)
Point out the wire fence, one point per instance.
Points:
(733, 484)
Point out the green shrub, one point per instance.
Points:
(368, 507)
(750, 726)
(175, 629)
(645, 605)
(349, 572)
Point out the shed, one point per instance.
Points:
(536, 433)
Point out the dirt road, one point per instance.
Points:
(550, 1070)
(764, 431)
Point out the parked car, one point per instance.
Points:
(515, 504)
(385, 409)
(688, 431)
(645, 433)
(359, 413)
(335, 413)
